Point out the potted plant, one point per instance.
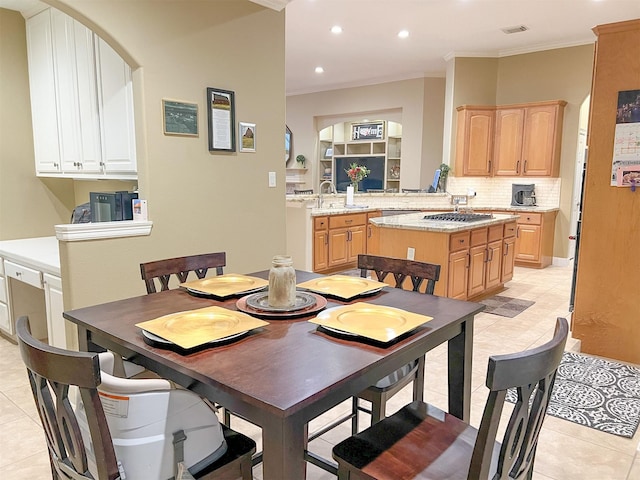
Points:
(301, 160)
(444, 173)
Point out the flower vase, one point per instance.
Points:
(355, 187)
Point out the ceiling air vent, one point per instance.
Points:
(517, 29)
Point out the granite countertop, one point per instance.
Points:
(39, 253)
(416, 221)
(315, 212)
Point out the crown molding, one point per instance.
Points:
(276, 5)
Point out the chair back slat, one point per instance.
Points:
(51, 372)
(401, 269)
(532, 374)
(162, 270)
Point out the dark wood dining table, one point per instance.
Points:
(283, 375)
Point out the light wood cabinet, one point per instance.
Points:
(534, 239)
(458, 277)
(320, 243)
(339, 239)
(474, 140)
(508, 252)
(510, 140)
(528, 139)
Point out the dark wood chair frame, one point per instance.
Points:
(180, 267)
(420, 273)
(51, 372)
(387, 450)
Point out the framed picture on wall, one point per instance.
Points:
(179, 118)
(221, 115)
(247, 133)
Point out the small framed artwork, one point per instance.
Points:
(221, 115)
(247, 137)
(179, 118)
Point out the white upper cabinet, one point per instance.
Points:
(81, 101)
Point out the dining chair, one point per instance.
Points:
(422, 441)
(162, 270)
(423, 277)
(68, 389)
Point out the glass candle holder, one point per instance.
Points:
(282, 282)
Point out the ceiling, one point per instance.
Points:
(368, 51)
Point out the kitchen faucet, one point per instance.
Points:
(332, 189)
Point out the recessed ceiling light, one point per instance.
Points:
(403, 33)
(319, 70)
(336, 29)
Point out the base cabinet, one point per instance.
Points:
(338, 240)
(458, 275)
(508, 251)
(534, 239)
(56, 331)
(5, 317)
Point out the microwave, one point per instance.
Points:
(111, 206)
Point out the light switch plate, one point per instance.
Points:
(411, 253)
(272, 179)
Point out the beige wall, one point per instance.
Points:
(198, 201)
(420, 103)
(29, 206)
(563, 74)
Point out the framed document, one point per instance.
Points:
(221, 114)
(247, 132)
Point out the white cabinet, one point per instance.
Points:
(53, 301)
(81, 101)
(5, 318)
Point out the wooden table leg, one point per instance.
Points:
(460, 353)
(284, 443)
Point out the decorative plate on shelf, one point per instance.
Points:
(192, 328)
(226, 285)
(376, 322)
(343, 286)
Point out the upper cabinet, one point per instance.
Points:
(512, 140)
(474, 142)
(81, 101)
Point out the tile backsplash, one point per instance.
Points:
(493, 191)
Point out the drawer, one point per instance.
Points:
(530, 219)
(320, 223)
(510, 229)
(341, 221)
(24, 274)
(478, 237)
(458, 241)
(495, 233)
(3, 290)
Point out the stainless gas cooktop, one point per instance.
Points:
(459, 217)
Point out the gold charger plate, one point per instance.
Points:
(226, 285)
(376, 322)
(196, 327)
(342, 286)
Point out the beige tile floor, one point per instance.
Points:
(566, 451)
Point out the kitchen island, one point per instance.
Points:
(476, 257)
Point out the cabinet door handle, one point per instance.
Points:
(506, 249)
(490, 166)
(468, 260)
(369, 232)
(525, 167)
(326, 239)
(518, 166)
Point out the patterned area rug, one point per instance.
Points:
(596, 393)
(505, 306)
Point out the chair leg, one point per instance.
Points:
(354, 419)
(226, 417)
(246, 468)
(418, 382)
